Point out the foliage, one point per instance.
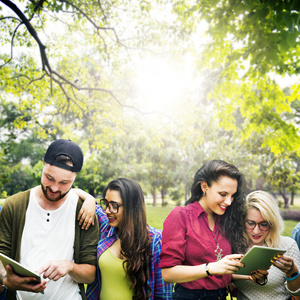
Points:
(78, 83)
(98, 29)
(20, 180)
(250, 41)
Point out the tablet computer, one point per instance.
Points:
(258, 258)
(18, 268)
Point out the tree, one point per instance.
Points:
(81, 87)
(104, 34)
(250, 41)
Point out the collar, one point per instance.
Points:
(198, 210)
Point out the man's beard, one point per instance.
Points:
(59, 197)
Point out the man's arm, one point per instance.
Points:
(81, 273)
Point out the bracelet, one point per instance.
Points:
(263, 283)
(3, 283)
(291, 278)
(207, 270)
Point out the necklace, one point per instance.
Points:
(218, 251)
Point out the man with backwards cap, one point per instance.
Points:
(39, 229)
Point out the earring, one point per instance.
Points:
(204, 194)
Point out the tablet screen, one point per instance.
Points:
(258, 258)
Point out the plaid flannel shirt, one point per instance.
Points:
(108, 235)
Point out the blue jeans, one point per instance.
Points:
(182, 293)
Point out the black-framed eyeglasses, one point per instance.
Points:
(264, 225)
(112, 206)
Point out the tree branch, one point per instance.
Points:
(91, 21)
(32, 31)
(55, 76)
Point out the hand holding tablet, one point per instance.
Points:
(258, 258)
(18, 268)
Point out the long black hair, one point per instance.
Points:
(231, 223)
(134, 235)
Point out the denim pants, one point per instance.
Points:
(182, 293)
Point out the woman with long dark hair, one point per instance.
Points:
(199, 238)
(128, 249)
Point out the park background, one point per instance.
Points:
(152, 90)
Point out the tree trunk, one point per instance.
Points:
(292, 197)
(162, 197)
(154, 196)
(285, 198)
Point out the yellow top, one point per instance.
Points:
(114, 283)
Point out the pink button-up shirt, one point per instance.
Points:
(187, 240)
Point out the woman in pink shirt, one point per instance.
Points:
(198, 239)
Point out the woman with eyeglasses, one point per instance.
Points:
(128, 249)
(263, 225)
(199, 238)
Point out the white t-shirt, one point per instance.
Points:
(49, 235)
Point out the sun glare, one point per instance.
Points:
(161, 84)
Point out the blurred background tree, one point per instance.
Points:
(151, 90)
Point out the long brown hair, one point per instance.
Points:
(134, 235)
(231, 223)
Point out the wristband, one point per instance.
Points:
(207, 270)
(291, 278)
(3, 282)
(4, 285)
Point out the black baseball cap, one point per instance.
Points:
(68, 148)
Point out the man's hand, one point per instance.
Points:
(15, 282)
(56, 269)
(80, 273)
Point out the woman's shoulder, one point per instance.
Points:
(183, 210)
(102, 219)
(286, 242)
(156, 240)
(155, 233)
